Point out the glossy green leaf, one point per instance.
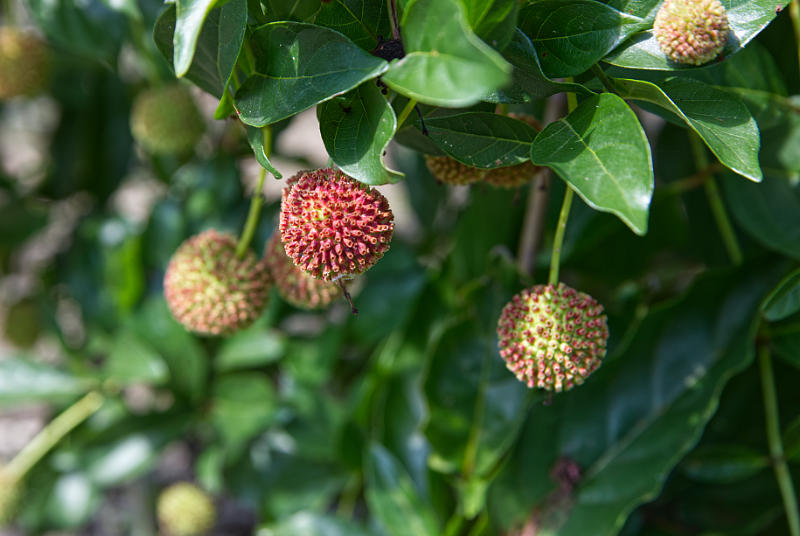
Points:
(298, 10)
(22, 381)
(190, 16)
(243, 405)
(723, 463)
(215, 49)
(717, 116)
(391, 496)
(767, 211)
(253, 347)
(572, 36)
(255, 137)
(362, 21)
(494, 21)
(625, 429)
(481, 139)
(601, 150)
(528, 81)
(297, 66)
(746, 18)
(314, 524)
(356, 129)
(784, 301)
(445, 63)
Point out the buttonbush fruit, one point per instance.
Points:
(165, 120)
(24, 63)
(691, 31)
(184, 509)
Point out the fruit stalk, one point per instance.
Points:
(775, 444)
(255, 202)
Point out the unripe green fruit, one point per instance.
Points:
(166, 120)
(552, 337)
(9, 496)
(691, 31)
(293, 284)
(451, 171)
(210, 290)
(24, 63)
(184, 509)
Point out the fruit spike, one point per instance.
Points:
(333, 226)
(24, 63)
(691, 31)
(165, 120)
(293, 284)
(451, 171)
(210, 290)
(552, 337)
(183, 509)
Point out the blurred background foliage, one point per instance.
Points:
(402, 420)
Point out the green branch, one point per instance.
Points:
(774, 440)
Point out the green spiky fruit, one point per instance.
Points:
(9, 496)
(165, 120)
(24, 63)
(692, 32)
(450, 171)
(520, 174)
(552, 337)
(210, 290)
(183, 509)
(293, 284)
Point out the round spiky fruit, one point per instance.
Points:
(293, 284)
(166, 120)
(691, 31)
(184, 509)
(520, 174)
(451, 171)
(24, 63)
(552, 337)
(210, 290)
(333, 226)
(9, 496)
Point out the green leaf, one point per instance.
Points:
(784, 300)
(572, 36)
(717, 116)
(494, 21)
(356, 129)
(601, 150)
(723, 463)
(243, 405)
(746, 18)
(481, 139)
(72, 501)
(362, 21)
(391, 496)
(23, 381)
(299, 10)
(216, 48)
(297, 66)
(253, 347)
(255, 137)
(133, 360)
(767, 211)
(527, 78)
(791, 439)
(123, 460)
(314, 524)
(445, 63)
(645, 407)
(190, 16)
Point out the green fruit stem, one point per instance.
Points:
(54, 432)
(256, 202)
(715, 202)
(774, 441)
(405, 113)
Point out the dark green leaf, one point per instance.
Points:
(23, 381)
(297, 66)
(716, 115)
(494, 21)
(791, 440)
(356, 128)
(133, 360)
(723, 463)
(571, 37)
(190, 16)
(299, 10)
(527, 78)
(767, 211)
(362, 21)
(391, 496)
(481, 139)
(253, 347)
(314, 524)
(784, 300)
(255, 137)
(601, 150)
(18, 221)
(445, 63)
(242, 406)
(746, 18)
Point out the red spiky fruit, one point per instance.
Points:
(210, 290)
(552, 337)
(333, 226)
(691, 31)
(451, 171)
(293, 284)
